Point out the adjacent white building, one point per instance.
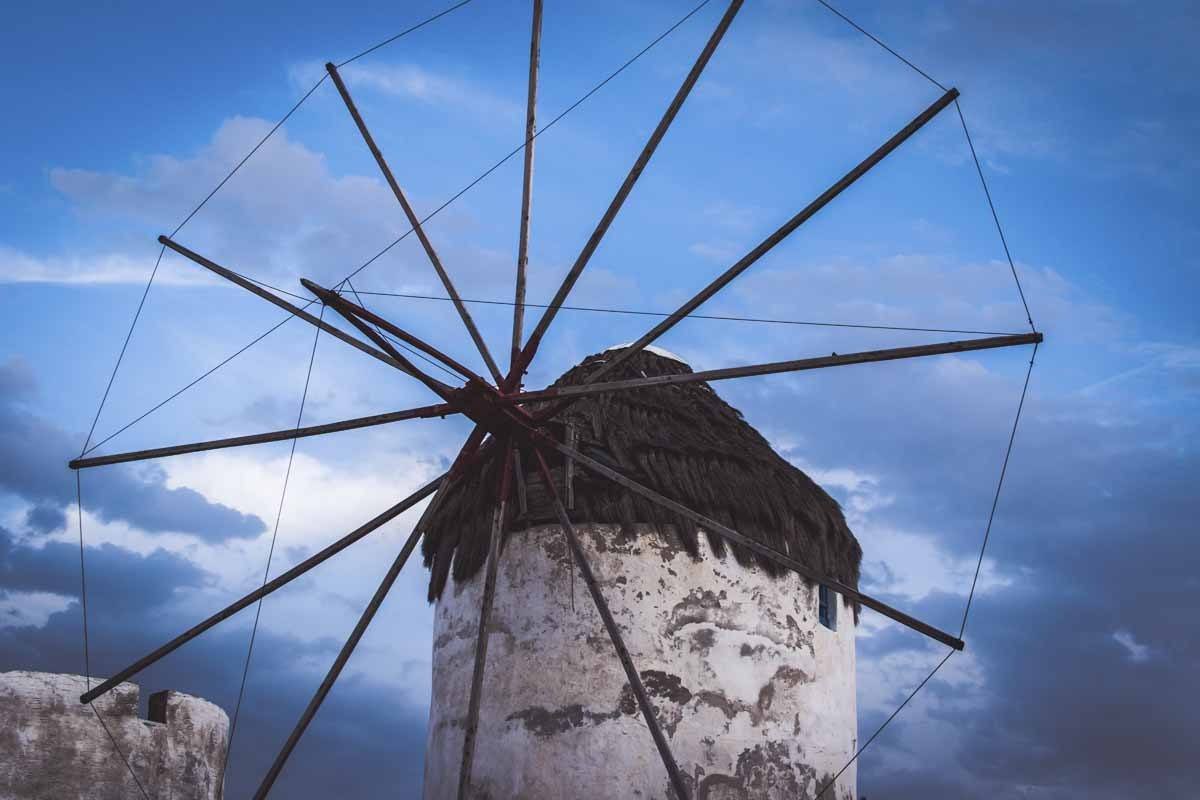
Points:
(51, 746)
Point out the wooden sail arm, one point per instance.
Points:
(390, 327)
(423, 412)
(785, 230)
(614, 634)
(761, 549)
(635, 172)
(776, 367)
(295, 310)
(415, 222)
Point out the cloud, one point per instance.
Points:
(721, 252)
(1137, 652)
(285, 214)
(425, 86)
(1092, 536)
(54, 568)
(45, 519)
(374, 731)
(86, 270)
(34, 454)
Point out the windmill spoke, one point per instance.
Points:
(767, 552)
(415, 222)
(471, 455)
(233, 277)
(635, 172)
(424, 412)
(835, 360)
(378, 321)
(614, 633)
(340, 304)
(783, 232)
(535, 46)
(471, 728)
(335, 670)
(266, 589)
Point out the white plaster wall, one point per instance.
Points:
(51, 746)
(756, 697)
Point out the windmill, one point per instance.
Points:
(510, 420)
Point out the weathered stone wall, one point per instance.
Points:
(51, 746)
(756, 697)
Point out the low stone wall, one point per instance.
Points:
(51, 746)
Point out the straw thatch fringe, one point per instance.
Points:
(682, 441)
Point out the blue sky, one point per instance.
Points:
(1083, 113)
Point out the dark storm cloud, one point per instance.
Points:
(44, 519)
(1097, 534)
(118, 579)
(33, 459)
(366, 739)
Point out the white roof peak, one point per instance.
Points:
(658, 351)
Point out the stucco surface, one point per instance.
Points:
(755, 696)
(51, 746)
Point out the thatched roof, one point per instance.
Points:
(684, 442)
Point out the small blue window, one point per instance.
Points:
(827, 607)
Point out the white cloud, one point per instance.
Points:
(910, 564)
(733, 217)
(102, 268)
(24, 609)
(324, 503)
(1137, 652)
(286, 213)
(913, 565)
(722, 252)
(425, 86)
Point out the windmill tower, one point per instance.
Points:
(707, 542)
(750, 668)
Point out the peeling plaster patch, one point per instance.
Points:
(763, 772)
(703, 640)
(701, 605)
(667, 686)
(543, 722)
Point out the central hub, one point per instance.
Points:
(494, 412)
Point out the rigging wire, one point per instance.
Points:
(210, 195)
(995, 217)
(974, 156)
(124, 346)
(886, 722)
(178, 392)
(867, 34)
(388, 41)
(287, 475)
(398, 343)
(87, 658)
(527, 142)
(999, 485)
(440, 208)
(1020, 405)
(718, 317)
